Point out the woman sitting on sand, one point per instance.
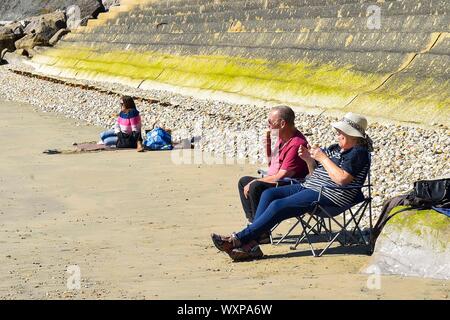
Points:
(343, 164)
(127, 130)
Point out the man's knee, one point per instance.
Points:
(257, 187)
(244, 181)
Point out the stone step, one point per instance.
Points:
(422, 23)
(398, 8)
(375, 41)
(262, 3)
(429, 65)
(211, 6)
(442, 46)
(374, 62)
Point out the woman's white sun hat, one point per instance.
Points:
(353, 125)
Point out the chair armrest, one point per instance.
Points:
(262, 173)
(290, 180)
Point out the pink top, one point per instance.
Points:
(128, 122)
(287, 157)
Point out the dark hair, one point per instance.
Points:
(128, 102)
(365, 142)
(285, 113)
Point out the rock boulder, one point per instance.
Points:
(414, 243)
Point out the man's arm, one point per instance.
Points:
(274, 178)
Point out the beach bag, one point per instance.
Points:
(158, 139)
(429, 193)
(125, 140)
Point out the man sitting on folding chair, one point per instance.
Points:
(344, 164)
(285, 163)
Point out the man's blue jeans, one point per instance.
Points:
(278, 204)
(109, 137)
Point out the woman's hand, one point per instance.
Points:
(304, 154)
(317, 154)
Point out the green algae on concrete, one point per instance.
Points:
(299, 82)
(302, 83)
(416, 220)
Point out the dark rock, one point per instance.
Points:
(7, 38)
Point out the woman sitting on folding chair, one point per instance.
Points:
(346, 163)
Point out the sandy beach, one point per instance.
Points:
(138, 226)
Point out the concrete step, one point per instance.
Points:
(262, 3)
(405, 7)
(373, 62)
(355, 10)
(421, 23)
(365, 42)
(211, 6)
(442, 45)
(429, 65)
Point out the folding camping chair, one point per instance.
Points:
(319, 221)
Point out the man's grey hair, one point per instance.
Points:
(285, 113)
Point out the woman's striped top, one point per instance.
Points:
(355, 161)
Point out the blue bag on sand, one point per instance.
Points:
(158, 139)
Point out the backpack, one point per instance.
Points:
(158, 139)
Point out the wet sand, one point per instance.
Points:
(138, 226)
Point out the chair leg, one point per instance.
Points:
(307, 238)
(288, 233)
(303, 235)
(357, 217)
(270, 233)
(328, 245)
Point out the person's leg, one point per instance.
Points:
(107, 134)
(272, 194)
(139, 141)
(277, 211)
(254, 195)
(110, 141)
(246, 205)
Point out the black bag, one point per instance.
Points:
(429, 193)
(125, 140)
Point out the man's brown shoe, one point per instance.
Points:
(240, 254)
(224, 243)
